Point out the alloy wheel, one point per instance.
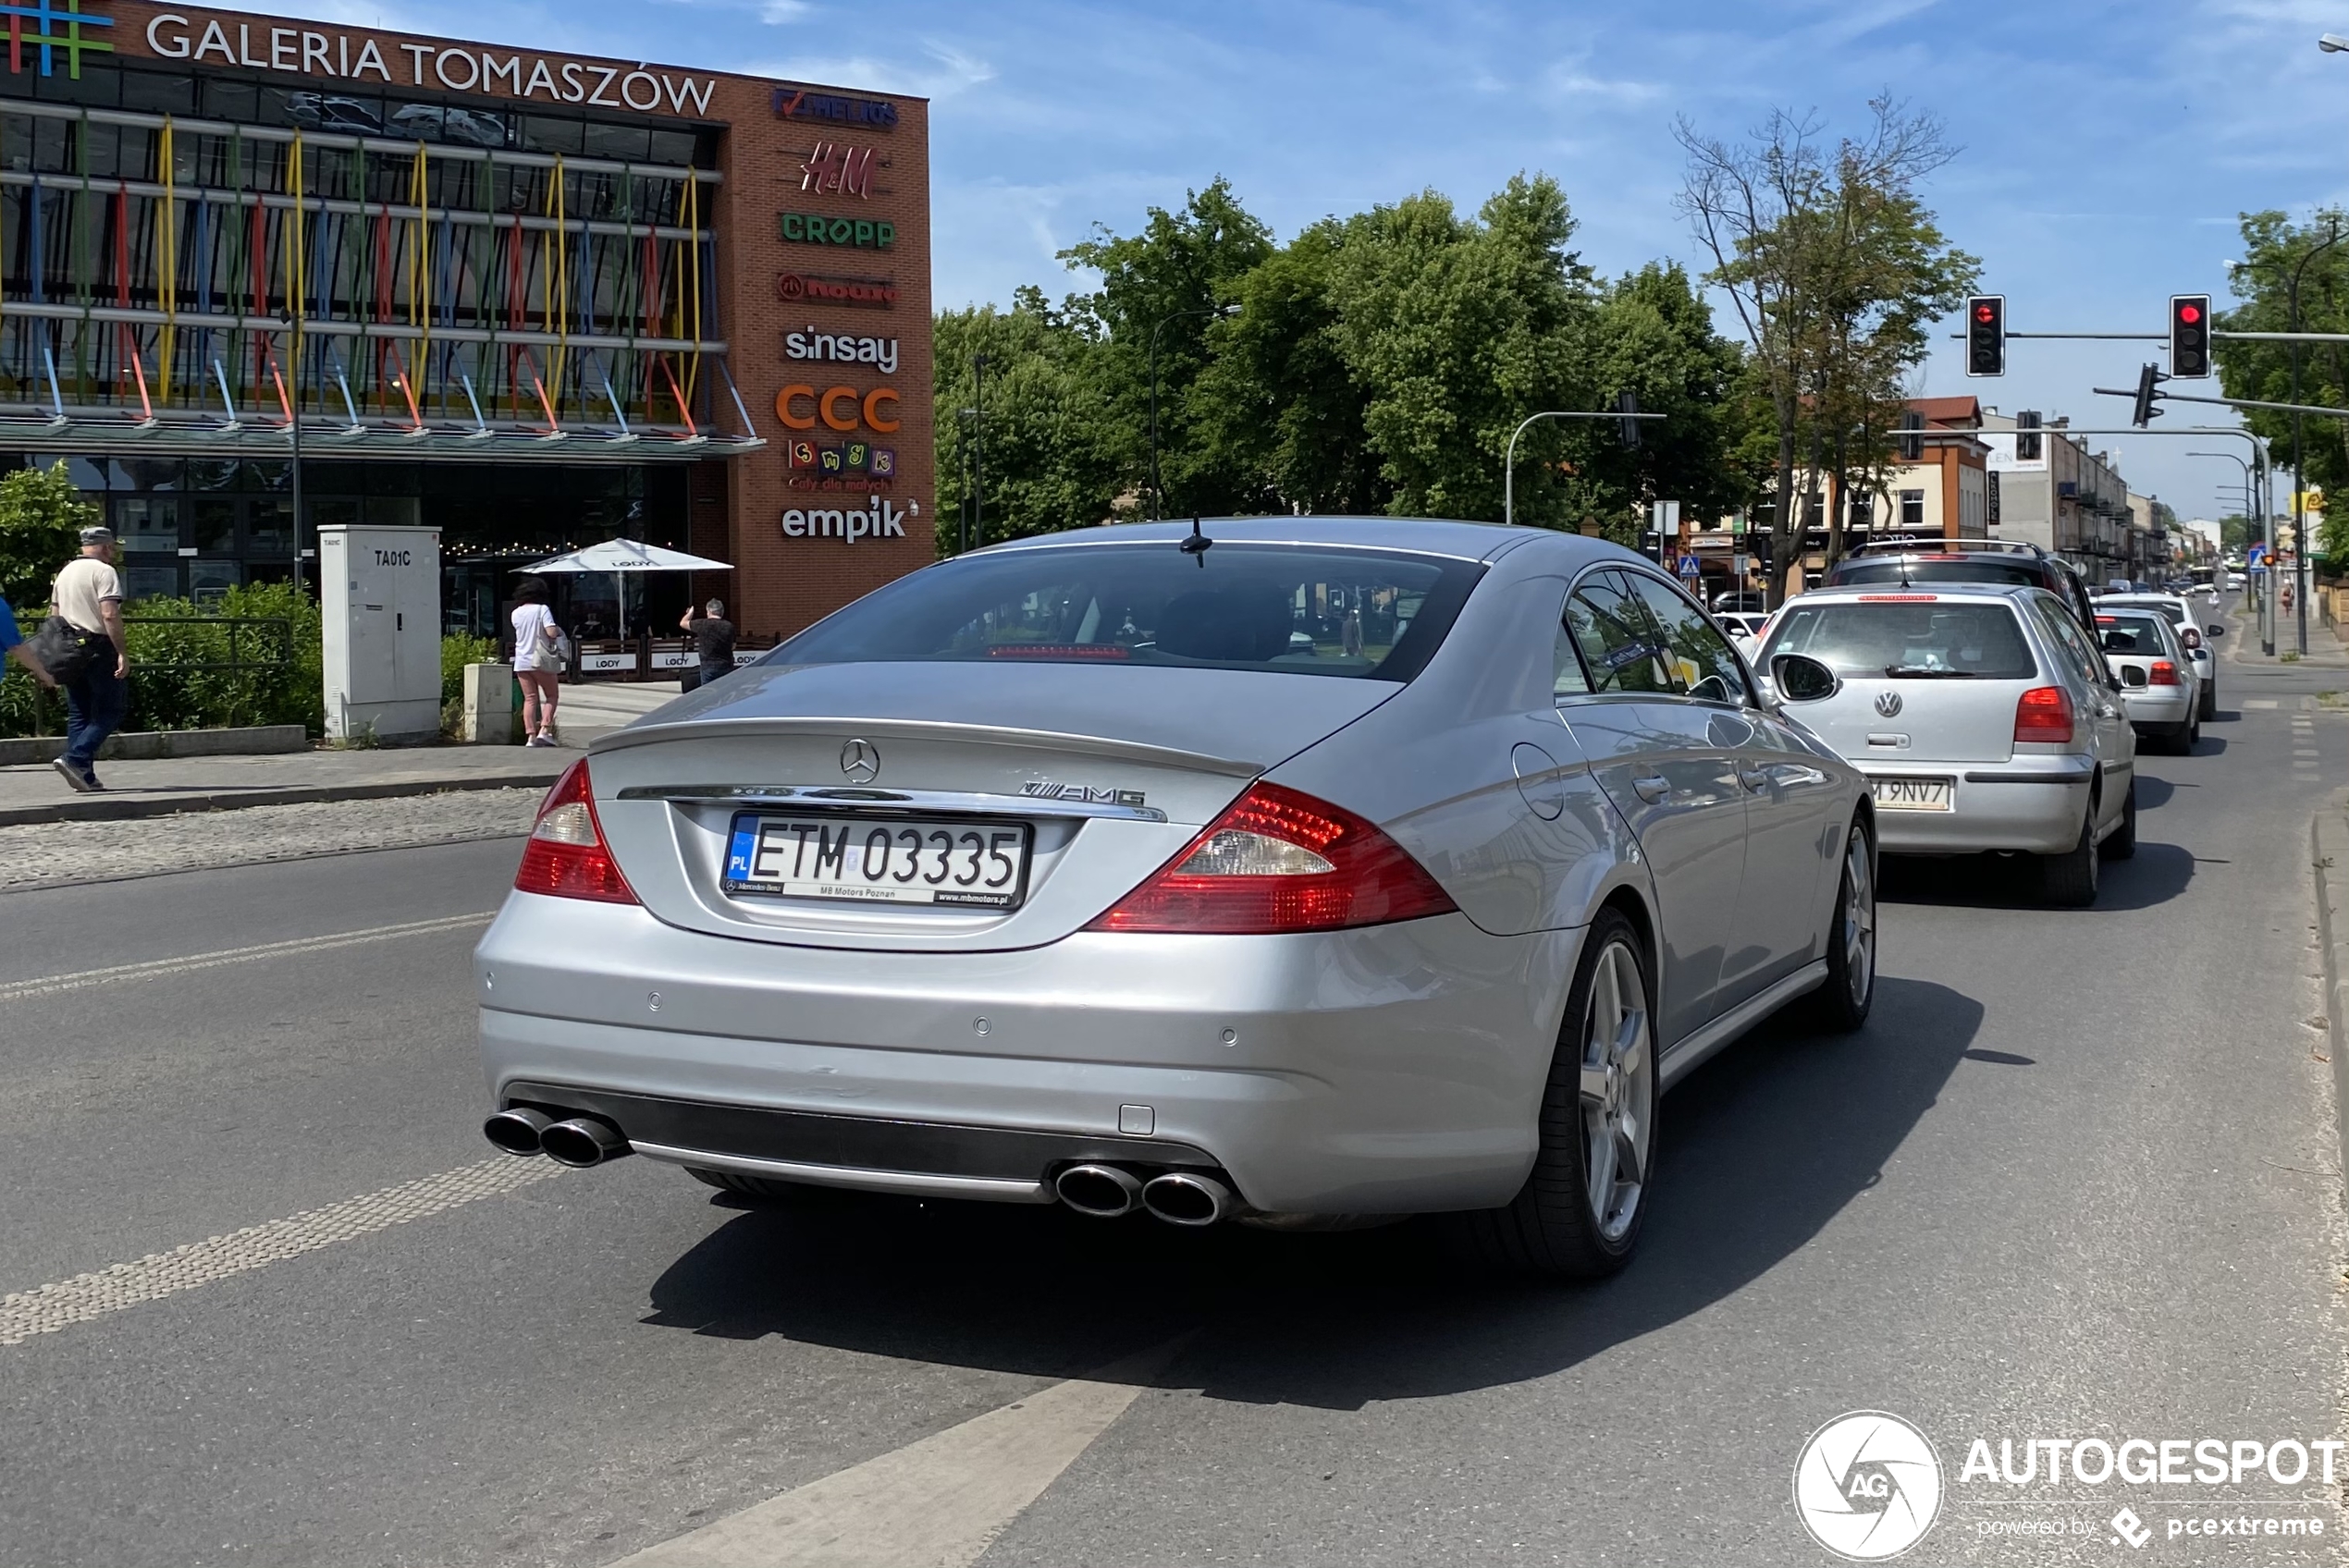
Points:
(1859, 918)
(1618, 1093)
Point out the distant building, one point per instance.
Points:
(2047, 489)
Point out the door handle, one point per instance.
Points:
(1651, 789)
(1757, 779)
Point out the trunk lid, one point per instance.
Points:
(1953, 721)
(1109, 771)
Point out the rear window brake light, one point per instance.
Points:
(1898, 598)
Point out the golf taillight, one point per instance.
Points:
(1276, 861)
(2164, 673)
(565, 856)
(2043, 714)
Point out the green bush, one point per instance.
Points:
(458, 650)
(42, 517)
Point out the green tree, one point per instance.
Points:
(2234, 531)
(1455, 329)
(42, 517)
(1165, 281)
(1834, 268)
(1051, 445)
(2282, 259)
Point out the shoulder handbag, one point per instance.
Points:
(64, 649)
(553, 648)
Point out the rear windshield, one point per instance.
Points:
(1291, 610)
(2137, 633)
(1923, 641)
(1961, 571)
(2175, 612)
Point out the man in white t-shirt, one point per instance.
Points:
(88, 594)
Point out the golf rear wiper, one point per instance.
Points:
(1928, 672)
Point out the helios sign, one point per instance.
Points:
(299, 51)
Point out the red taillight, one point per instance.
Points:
(565, 857)
(2164, 673)
(1900, 598)
(1279, 860)
(2043, 714)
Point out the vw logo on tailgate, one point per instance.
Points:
(1888, 703)
(861, 761)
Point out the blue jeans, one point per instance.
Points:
(95, 700)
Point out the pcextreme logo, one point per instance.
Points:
(1867, 1486)
(53, 28)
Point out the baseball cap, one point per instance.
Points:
(97, 535)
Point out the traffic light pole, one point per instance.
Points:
(1508, 461)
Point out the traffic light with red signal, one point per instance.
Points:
(2189, 336)
(1986, 334)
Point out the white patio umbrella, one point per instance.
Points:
(623, 557)
(625, 554)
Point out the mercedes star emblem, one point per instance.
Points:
(1886, 704)
(861, 761)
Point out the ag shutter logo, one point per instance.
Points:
(53, 28)
(1867, 1486)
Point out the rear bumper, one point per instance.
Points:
(2162, 711)
(2034, 804)
(1395, 1069)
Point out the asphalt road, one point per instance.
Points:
(2075, 1179)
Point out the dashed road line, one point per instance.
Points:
(66, 1302)
(51, 985)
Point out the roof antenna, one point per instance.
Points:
(1197, 543)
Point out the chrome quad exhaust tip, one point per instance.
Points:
(518, 1131)
(1102, 1191)
(581, 1142)
(1183, 1198)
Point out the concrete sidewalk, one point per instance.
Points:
(35, 793)
(38, 793)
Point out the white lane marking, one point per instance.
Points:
(85, 1296)
(937, 1503)
(2258, 701)
(51, 985)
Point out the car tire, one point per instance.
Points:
(2122, 842)
(2069, 880)
(1842, 1005)
(1601, 1084)
(2193, 737)
(2208, 707)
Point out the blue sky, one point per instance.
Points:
(2107, 147)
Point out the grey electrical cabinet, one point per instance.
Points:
(379, 592)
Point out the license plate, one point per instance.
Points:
(1913, 794)
(868, 859)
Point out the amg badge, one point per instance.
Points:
(1052, 789)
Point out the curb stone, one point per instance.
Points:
(85, 808)
(2329, 845)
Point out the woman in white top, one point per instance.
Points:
(538, 660)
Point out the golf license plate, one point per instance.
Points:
(871, 859)
(1913, 794)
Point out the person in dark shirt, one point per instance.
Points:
(713, 637)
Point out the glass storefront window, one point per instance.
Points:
(152, 92)
(215, 520)
(269, 528)
(151, 582)
(147, 522)
(207, 581)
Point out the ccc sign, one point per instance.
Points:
(800, 406)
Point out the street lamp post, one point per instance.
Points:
(962, 523)
(1158, 493)
(1508, 459)
(978, 453)
(293, 323)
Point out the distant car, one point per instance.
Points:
(1909, 561)
(1737, 599)
(2158, 684)
(1062, 872)
(1981, 713)
(1745, 628)
(2196, 640)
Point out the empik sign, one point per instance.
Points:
(300, 51)
(883, 520)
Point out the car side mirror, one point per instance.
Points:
(1802, 678)
(2214, 629)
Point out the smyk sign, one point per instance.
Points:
(358, 57)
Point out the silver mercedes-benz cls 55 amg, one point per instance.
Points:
(1286, 870)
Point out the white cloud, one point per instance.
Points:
(940, 71)
(781, 13)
